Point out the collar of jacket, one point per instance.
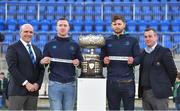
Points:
(62, 39)
(115, 36)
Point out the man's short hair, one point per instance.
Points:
(149, 29)
(62, 18)
(118, 17)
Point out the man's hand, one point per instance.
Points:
(106, 60)
(45, 60)
(29, 87)
(75, 62)
(130, 60)
(36, 86)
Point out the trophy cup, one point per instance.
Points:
(91, 66)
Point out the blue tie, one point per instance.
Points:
(31, 53)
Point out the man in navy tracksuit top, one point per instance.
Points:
(61, 87)
(120, 75)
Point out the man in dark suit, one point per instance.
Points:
(157, 73)
(26, 72)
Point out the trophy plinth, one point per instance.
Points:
(91, 66)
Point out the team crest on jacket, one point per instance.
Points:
(127, 43)
(71, 48)
(54, 46)
(158, 63)
(109, 45)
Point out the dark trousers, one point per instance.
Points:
(150, 102)
(23, 102)
(117, 91)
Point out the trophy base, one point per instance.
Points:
(91, 76)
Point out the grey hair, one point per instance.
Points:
(24, 26)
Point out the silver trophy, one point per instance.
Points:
(91, 65)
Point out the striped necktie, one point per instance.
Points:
(31, 53)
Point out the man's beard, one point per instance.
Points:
(118, 31)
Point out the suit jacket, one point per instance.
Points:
(162, 73)
(21, 68)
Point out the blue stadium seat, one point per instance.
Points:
(42, 37)
(77, 26)
(98, 17)
(165, 37)
(17, 36)
(142, 25)
(12, 7)
(108, 26)
(97, 8)
(88, 17)
(135, 1)
(88, 26)
(145, 1)
(107, 17)
(89, 9)
(52, 35)
(89, 0)
(11, 24)
(117, 9)
(70, 0)
(141, 41)
(107, 8)
(176, 38)
(9, 37)
(75, 37)
(99, 24)
(60, 8)
(79, 17)
(164, 25)
(168, 44)
(78, 11)
(35, 38)
(80, 0)
(107, 0)
(117, 0)
(44, 25)
(31, 12)
(41, 45)
(11, 14)
(175, 25)
(147, 16)
(51, 8)
(21, 22)
(2, 24)
(2, 12)
(98, 0)
(53, 25)
(35, 24)
(21, 8)
(131, 26)
(154, 24)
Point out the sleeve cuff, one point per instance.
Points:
(25, 82)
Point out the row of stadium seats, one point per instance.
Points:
(91, 11)
(93, 26)
(94, 0)
(40, 38)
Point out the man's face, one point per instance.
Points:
(150, 38)
(118, 26)
(26, 33)
(62, 27)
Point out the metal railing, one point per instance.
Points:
(131, 10)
